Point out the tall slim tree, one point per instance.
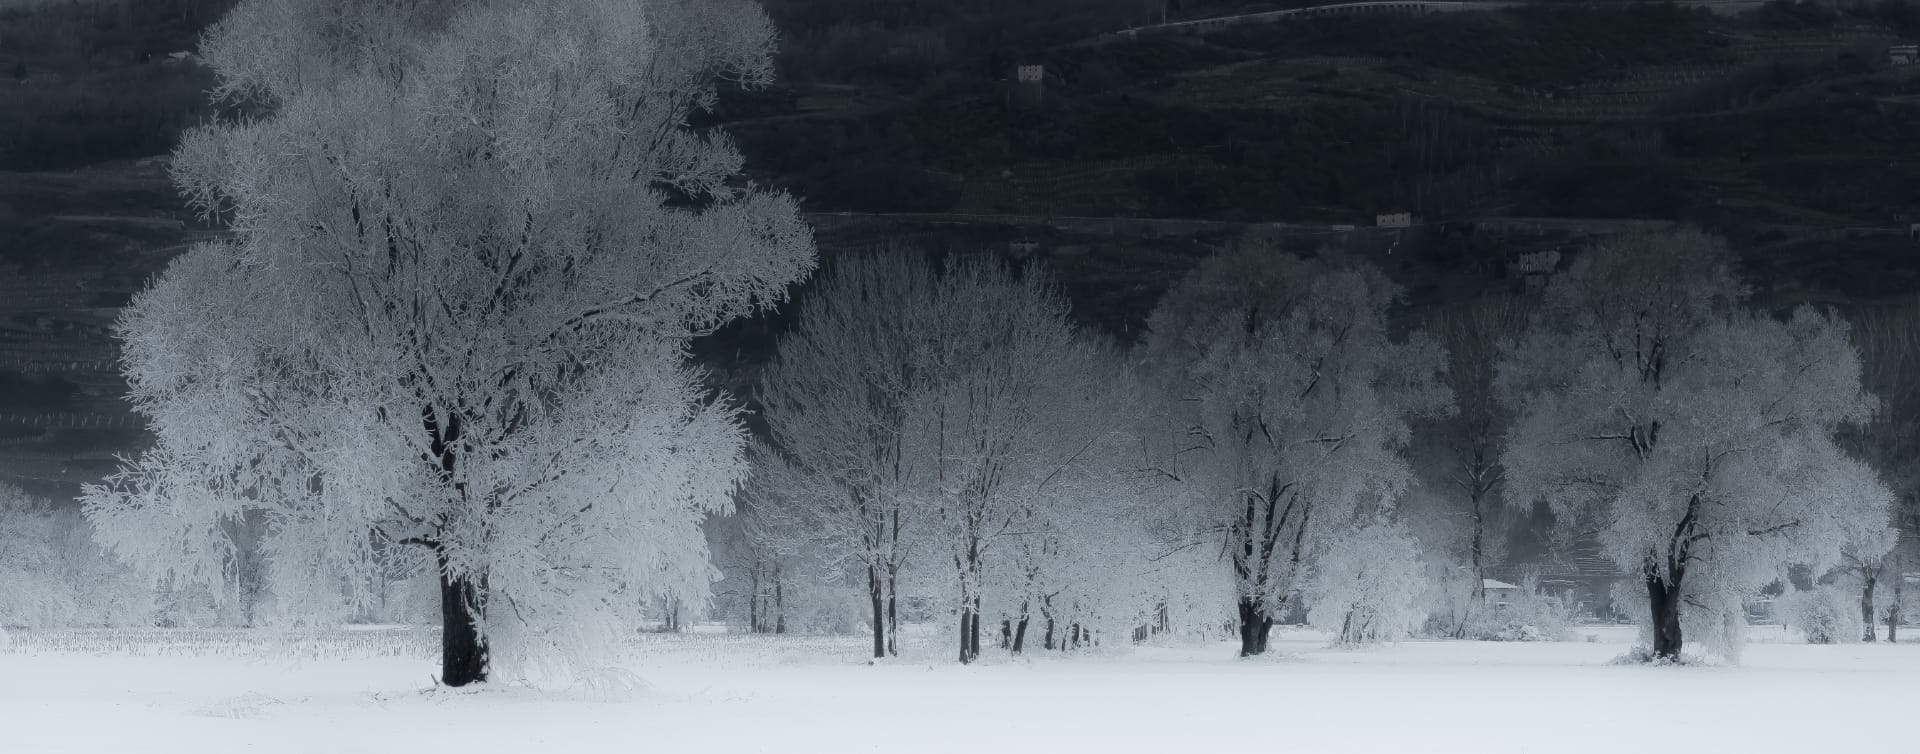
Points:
(1009, 411)
(836, 400)
(1462, 450)
(471, 241)
(1888, 337)
(1700, 434)
(1295, 404)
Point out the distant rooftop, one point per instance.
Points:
(1496, 584)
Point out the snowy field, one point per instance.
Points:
(230, 692)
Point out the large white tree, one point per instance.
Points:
(1294, 402)
(1701, 435)
(471, 241)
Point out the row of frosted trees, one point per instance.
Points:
(447, 341)
(945, 431)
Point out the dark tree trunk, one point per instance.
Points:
(1664, 599)
(893, 589)
(973, 632)
(779, 603)
(966, 630)
(1020, 635)
(753, 602)
(879, 612)
(1866, 606)
(463, 651)
(1255, 624)
(1478, 600)
(1893, 610)
(1006, 634)
(893, 611)
(1047, 640)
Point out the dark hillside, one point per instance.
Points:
(1504, 132)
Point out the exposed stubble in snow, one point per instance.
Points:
(736, 693)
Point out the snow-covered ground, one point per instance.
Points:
(725, 693)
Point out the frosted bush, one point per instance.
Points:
(1825, 614)
(1366, 588)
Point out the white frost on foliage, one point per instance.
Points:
(449, 332)
(1288, 405)
(1366, 587)
(1697, 435)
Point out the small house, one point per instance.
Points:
(1499, 593)
(1906, 54)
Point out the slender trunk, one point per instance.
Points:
(879, 615)
(1664, 599)
(893, 587)
(463, 650)
(1046, 641)
(1006, 633)
(1866, 606)
(1479, 596)
(1255, 624)
(1893, 610)
(1020, 634)
(753, 601)
(779, 603)
(966, 628)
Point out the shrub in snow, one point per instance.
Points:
(1826, 614)
(52, 573)
(1365, 587)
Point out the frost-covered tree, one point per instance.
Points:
(1888, 337)
(1462, 516)
(1077, 550)
(1008, 414)
(778, 576)
(1294, 403)
(921, 411)
(53, 575)
(836, 401)
(471, 241)
(1366, 587)
(1701, 435)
